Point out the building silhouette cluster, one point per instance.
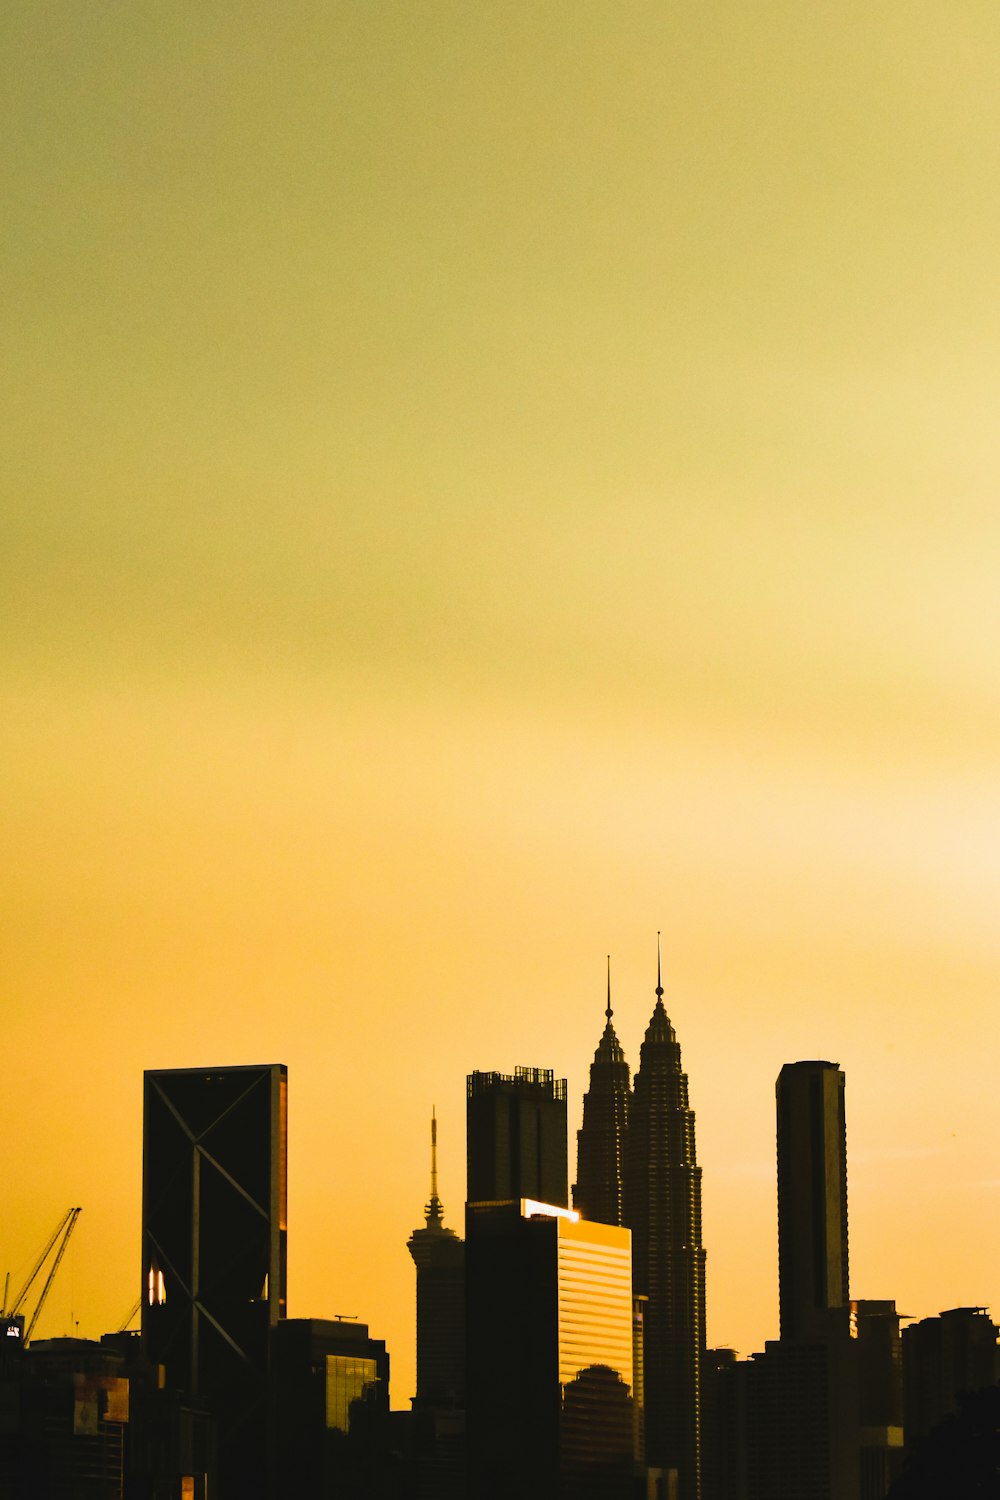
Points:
(560, 1340)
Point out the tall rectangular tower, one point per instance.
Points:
(516, 1136)
(213, 1245)
(812, 1195)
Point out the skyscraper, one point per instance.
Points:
(516, 1136)
(329, 1384)
(662, 1207)
(213, 1246)
(600, 1143)
(550, 1374)
(812, 1196)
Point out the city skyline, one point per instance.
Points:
(404, 1354)
(482, 486)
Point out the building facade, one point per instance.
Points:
(214, 1247)
(812, 1195)
(549, 1364)
(516, 1137)
(329, 1411)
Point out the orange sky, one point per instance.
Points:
(483, 484)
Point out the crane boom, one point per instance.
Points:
(39, 1263)
(72, 1217)
(130, 1315)
(64, 1229)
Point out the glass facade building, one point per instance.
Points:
(214, 1246)
(329, 1414)
(550, 1406)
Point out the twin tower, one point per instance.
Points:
(637, 1166)
(636, 1171)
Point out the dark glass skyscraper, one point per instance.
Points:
(550, 1372)
(329, 1411)
(516, 1137)
(600, 1143)
(662, 1207)
(213, 1246)
(812, 1196)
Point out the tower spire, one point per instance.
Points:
(434, 1212)
(659, 978)
(600, 1141)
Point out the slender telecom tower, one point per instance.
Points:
(600, 1144)
(662, 1204)
(439, 1256)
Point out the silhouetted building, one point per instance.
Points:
(719, 1425)
(516, 1136)
(662, 1204)
(812, 1194)
(64, 1414)
(549, 1354)
(943, 1358)
(801, 1416)
(959, 1458)
(437, 1430)
(329, 1386)
(801, 1404)
(600, 1142)
(170, 1440)
(875, 1324)
(821, 1415)
(213, 1247)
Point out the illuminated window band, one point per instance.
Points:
(532, 1209)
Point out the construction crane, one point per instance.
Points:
(59, 1236)
(129, 1315)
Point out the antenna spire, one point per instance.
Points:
(659, 965)
(608, 1008)
(434, 1213)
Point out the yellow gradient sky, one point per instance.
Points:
(483, 482)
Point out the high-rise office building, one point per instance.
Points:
(662, 1207)
(600, 1142)
(329, 1384)
(214, 1246)
(516, 1136)
(812, 1195)
(549, 1360)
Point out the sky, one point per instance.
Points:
(484, 484)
